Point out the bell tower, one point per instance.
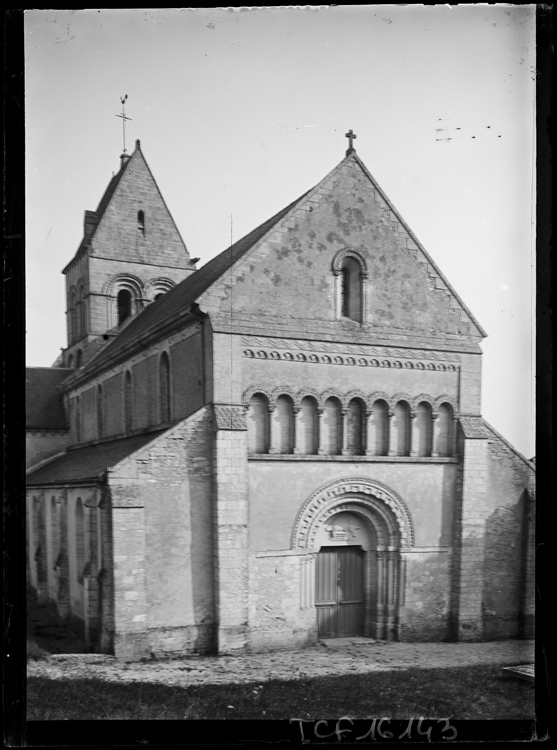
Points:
(130, 254)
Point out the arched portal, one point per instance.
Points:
(354, 529)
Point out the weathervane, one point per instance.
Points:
(124, 118)
(351, 136)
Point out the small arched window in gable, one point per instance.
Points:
(77, 407)
(141, 222)
(350, 273)
(164, 388)
(124, 305)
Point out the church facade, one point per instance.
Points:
(282, 446)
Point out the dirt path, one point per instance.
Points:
(341, 656)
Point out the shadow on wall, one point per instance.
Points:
(504, 579)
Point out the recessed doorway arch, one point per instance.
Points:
(355, 529)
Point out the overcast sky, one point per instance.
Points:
(239, 113)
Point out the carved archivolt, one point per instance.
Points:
(345, 398)
(160, 284)
(424, 398)
(394, 400)
(352, 395)
(343, 254)
(383, 507)
(347, 360)
(445, 400)
(124, 281)
(256, 389)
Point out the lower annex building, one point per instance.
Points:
(284, 445)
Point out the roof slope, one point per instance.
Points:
(85, 464)
(44, 407)
(187, 291)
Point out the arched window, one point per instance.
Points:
(402, 427)
(78, 358)
(424, 428)
(379, 428)
(445, 431)
(128, 405)
(351, 290)
(79, 540)
(309, 422)
(100, 411)
(141, 222)
(355, 425)
(70, 362)
(164, 388)
(157, 296)
(124, 305)
(332, 424)
(283, 415)
(258, 424)
(77, 406)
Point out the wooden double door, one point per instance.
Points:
(340, 591)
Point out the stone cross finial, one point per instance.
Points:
(351, 136)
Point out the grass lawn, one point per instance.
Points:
(479, 692)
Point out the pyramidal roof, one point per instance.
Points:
(97, 215)
(202, 286)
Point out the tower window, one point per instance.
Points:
(141, 222)
(124, 305)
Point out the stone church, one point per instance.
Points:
(283, 446)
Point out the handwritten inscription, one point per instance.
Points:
(434, 730)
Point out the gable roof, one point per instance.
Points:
(180, 297)
(109, 193)
(87, 463)
(44, 407)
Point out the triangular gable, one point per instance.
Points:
(406, 241)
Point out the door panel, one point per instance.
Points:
(339, 591)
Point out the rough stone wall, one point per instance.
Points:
(425, 610)
(230, 539)
(278, 618)
(162, 544)
(469, 542)
(89, 415)
(508, 590)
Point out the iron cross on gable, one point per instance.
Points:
(124, 118)
(351, 136)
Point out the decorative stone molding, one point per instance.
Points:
(344, 399)
(394, 400)
(358, 495)
(352, 395)
(446, 400)
(283, 391)
(349, 361)
(255, 342)
(253, 390)
(126, 280)
(230, 417)
(329, 393)
(159, 284)
(342, 255)
(424, 398)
